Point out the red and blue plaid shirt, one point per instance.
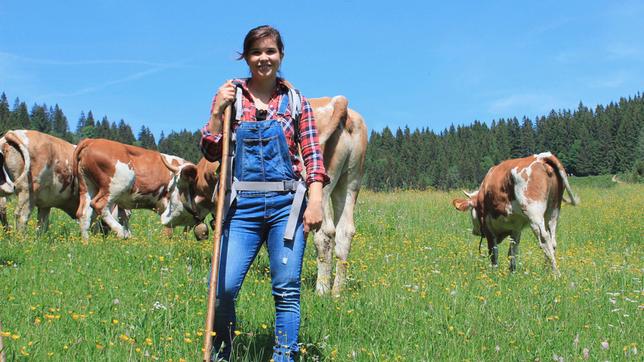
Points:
(211, 147)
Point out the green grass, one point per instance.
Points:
(418, 290)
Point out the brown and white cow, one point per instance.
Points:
(517, 193)
(343, 137)
(111, 173)
(37, 168)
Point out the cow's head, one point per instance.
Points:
(470, 204)
(6, 185)
(183, 204)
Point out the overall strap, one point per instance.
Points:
(239, 108)
(295, 103)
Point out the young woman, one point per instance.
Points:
(266, 170)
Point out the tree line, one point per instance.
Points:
(53, 121)
(605, 140)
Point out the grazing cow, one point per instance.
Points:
(517, 193)
(111, 173)
(40, 166)
(343, 138)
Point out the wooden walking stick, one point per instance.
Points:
(2, 355)
(219, 215)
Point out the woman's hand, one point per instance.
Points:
(313, 212)
(225, 96)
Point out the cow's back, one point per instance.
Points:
(343, 136)
(50, 180)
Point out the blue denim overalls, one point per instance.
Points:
(262, 156)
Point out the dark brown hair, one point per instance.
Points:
(260, 32)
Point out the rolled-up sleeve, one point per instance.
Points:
(210, 144)
(310, 145)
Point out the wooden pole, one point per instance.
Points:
(2, 354)
(219, 215)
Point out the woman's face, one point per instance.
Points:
(264, 58)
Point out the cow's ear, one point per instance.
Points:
(189, 173)
(461, 205)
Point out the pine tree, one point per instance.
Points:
(81, 123)
(125, 134)
(5, 116)
(40, 119)
(20, 116)
(89, 126)
(146, 139)
(627, 138)
(59, 124)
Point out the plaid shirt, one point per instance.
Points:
(210, 144)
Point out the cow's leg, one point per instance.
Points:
(84, 213)
(23, 209)
(3, 213)
(343, 204)
(553, 218)
(123, 217)
(324, 240)
(513, 251)
(43, 219)
(539, 228)
(493, 250)
(103, 203)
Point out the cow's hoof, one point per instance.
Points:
(124, 234)
(322, 289)
(201, 231)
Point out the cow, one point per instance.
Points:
(37, 168)
(517, 193)
(343, 139)
(111, 173)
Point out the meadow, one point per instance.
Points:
(418, 289)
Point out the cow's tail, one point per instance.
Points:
(561, 172)
(338, 117)
(13, 138)
(76, 175)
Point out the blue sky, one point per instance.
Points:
(415, 63)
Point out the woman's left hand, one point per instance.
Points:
(313, 213)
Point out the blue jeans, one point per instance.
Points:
(256, 217)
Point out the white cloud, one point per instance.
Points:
(20, 59)
(608, 81)
(517, 104)
(104, 85)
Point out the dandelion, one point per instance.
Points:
(264, 326)
(115, 321)
(237, 333)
